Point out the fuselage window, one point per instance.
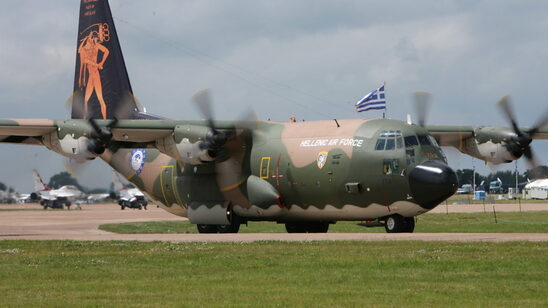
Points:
(410, 141)
(380, 144)
(424, 140)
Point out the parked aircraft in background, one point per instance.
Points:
(54, 198)
(127, 195)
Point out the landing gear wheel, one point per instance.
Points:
(206, 228)
(307, 227)
(317, 227)
(398, 224)
(232, 228)
(122, 207)
(295, 228)
(409, 224)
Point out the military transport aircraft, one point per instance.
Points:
(221, 174)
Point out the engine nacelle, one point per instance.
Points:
(184, 144)
(69, 146)
(491, 144)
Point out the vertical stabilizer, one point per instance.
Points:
(39, 185)
(101, 84)
(118, 185)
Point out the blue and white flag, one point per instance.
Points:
(374, 100)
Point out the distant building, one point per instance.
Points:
(536, 190)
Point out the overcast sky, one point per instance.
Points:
(309, 59)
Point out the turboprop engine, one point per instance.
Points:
(496, 145)
(192, 144)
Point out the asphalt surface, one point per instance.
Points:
(33, 223)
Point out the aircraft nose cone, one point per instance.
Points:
(431, 183)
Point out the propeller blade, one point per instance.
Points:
(541, 123)
(202, 100)
(422, 101)
(506, 108)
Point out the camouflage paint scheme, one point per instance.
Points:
(285, 155)
(290, 172)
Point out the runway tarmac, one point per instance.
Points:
(33, 223)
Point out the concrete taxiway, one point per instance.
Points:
(32, 223)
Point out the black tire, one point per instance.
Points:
(317, 227)
(409, 224)
(232, 228)
(206, 228)
(398, 224)
(122, 206)
(295, 228)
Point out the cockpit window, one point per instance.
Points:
(390, 144)
(380, 144)
(389, 140)
(399, 142)
(424, 140)
(410, 141)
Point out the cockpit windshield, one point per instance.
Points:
(389, 140)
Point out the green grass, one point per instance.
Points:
(513, 222)
(273, 274)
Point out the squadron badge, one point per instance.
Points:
(137, 160)
(322, 159)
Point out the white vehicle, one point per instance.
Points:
(465, 189)
(54, 198)
(127, 195)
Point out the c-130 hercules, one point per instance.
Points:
(221, 174)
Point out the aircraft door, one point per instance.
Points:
(167, 180)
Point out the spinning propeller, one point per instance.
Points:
(520, 144)
(422, 102)
(215, 139)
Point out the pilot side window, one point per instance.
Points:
(410, 141)
(424, 140)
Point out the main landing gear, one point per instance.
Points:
(397, 224)
(232, 228)
(307, 227)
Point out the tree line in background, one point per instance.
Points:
(507, 177)
(64, 178)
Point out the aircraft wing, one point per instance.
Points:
(448, 135)
(25, 131)
(456, 136)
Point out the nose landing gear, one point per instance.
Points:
(398, 224)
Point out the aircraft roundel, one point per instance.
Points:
(137, 160)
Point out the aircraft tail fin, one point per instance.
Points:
(101, 84)
(39, 185)
(118, 185)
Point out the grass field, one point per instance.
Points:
(513, 222)
(273, 274)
